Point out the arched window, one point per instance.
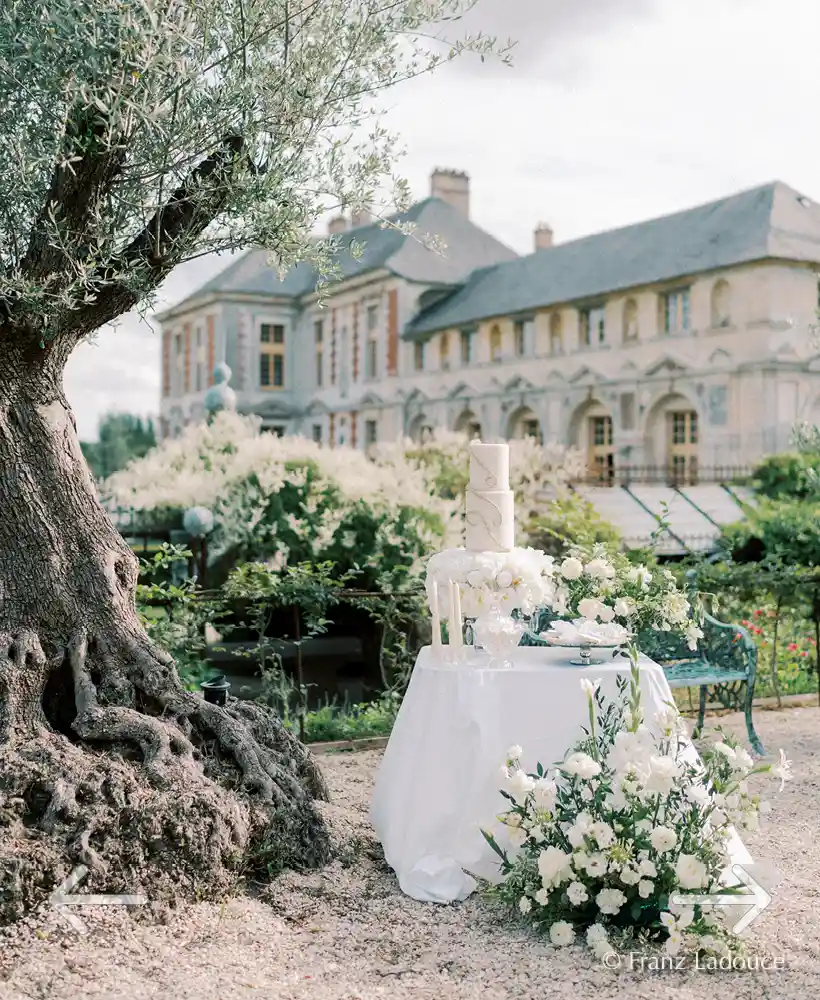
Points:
(525, 424)
(630, 322)
(556, 334)
(721, 304)
(495, 343)
(468, 424)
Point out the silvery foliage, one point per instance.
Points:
(138, 134)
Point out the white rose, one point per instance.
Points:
(504, 580)
(596, 933)
(514, 752)
(663, 839)
(610, 901)
(520, 785)
(544, 793)
(647, 867)
(589, 608)
(624, 607)
(525, 905)
(606, 614)
(645, 888)
(600, 569)
(542, 897)
(698, 795)
(603, 834)
(630, 877)
(579, 829)
(562, 934)
(577, 893)
(553, 864)
(582, 765)
(571, 568)
(596, 865)
(691, 872)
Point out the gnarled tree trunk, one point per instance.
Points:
(105, 759)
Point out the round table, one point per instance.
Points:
(439, 781)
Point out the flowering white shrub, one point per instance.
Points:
(290, 499)
(632, 816)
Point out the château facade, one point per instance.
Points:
(681, 344)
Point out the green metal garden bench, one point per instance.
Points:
(725, 661)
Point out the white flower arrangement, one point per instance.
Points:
(519, 580)
(631, 817)
(608, 599)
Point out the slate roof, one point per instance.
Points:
(467, 247)
(772, 221)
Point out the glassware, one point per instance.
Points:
(498, 635)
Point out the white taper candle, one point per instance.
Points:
(458, 625)
(436, 618)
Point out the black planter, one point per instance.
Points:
(216, 689)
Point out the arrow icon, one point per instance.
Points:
(60, 899)
(758, 897)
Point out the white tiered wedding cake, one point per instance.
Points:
(491, 573)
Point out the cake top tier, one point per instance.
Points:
(489, 466)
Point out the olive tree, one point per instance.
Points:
(135, 135)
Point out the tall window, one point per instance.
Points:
(556, 334)
(630, 330)
(371, 352)
(467, 352)
(495, 343)
(198, 360)
(520, 338)
(418, 356)
(319, 342)
(682, 431)
(600, 449)
(444, 351)
(371, 433)
(271, 356)
(675, 306)
(317, 433)
(593, 329)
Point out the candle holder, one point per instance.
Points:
(215, 691)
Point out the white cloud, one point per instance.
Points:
(617, 111)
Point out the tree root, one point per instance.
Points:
(216, 793)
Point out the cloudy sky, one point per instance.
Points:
(615, 111)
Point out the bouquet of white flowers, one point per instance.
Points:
(630, 818)
(595, 588)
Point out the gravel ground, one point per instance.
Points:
(348, 934)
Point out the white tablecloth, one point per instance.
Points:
(439, 782)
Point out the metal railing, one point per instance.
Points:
(662, 475)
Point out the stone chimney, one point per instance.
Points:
(542, 236)
(452, 186)
(361, 217)
(338, 224)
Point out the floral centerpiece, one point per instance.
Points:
(520, 580)
(601, 598)
(632, 817)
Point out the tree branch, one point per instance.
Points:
(85, 168)
(147, 260)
